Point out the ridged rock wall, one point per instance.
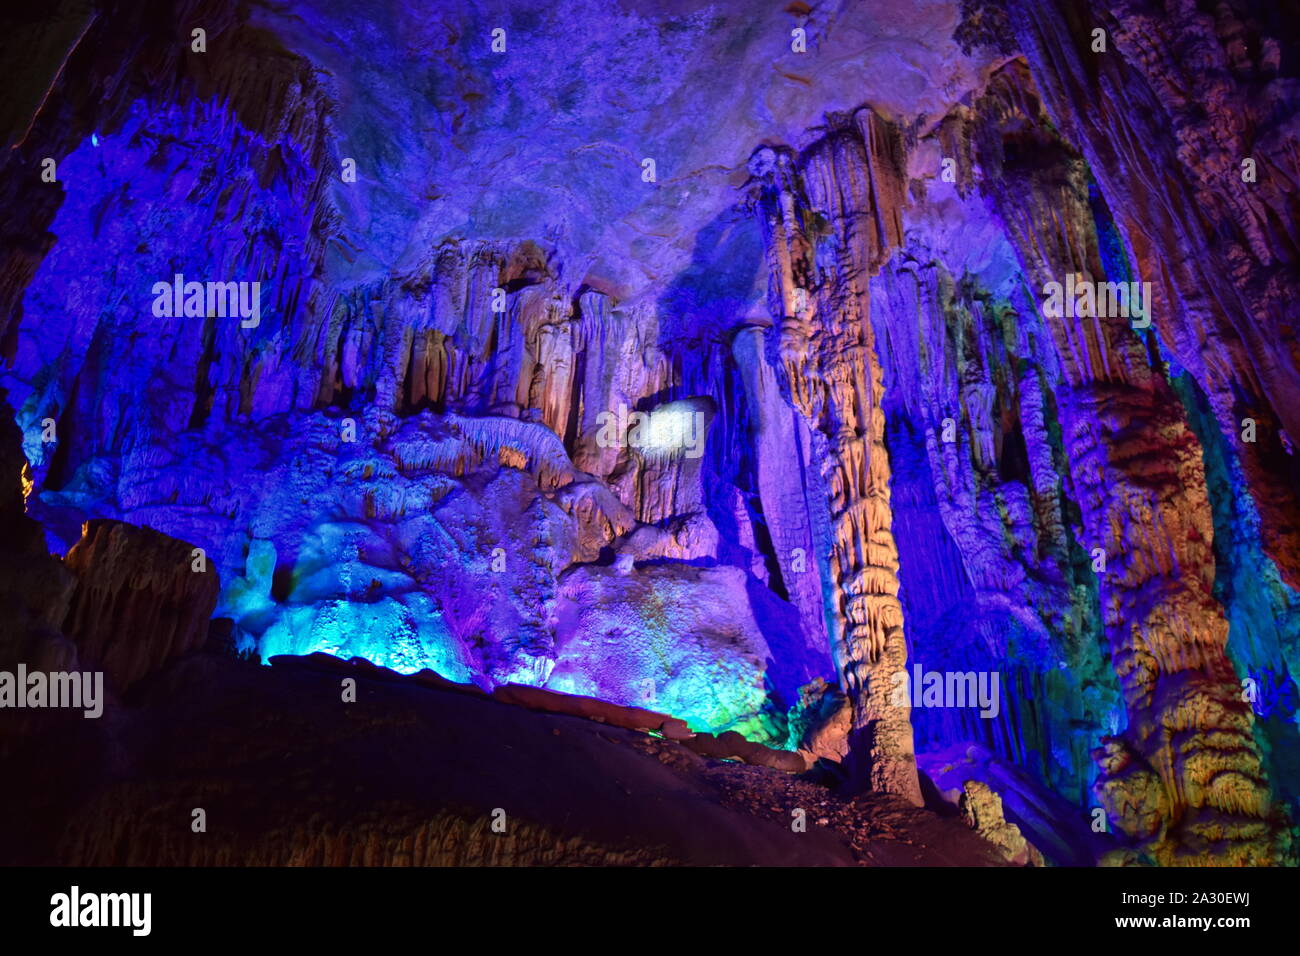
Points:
(456, 414)
(988, 566)
(1069, 439)
(1138, 477)
(1188, 123)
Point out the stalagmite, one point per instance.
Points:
(833, 374)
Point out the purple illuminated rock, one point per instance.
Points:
(861, 443)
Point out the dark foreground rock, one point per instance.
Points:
(142, 599)
(411, 773)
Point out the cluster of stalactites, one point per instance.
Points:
(1185, 779)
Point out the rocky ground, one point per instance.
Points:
(880, 830)
(288, 773)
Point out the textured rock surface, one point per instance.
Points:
(1195, 94)
(142, 600)
(1139, 481)
(1062, 832)
(862, 444)
(852, 181)
(981, 808)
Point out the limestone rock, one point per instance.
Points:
(658, 363)
(140, 601)
(827, 719)
(982, 810)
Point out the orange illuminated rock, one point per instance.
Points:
(632, 718)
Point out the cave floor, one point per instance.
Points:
(285, 772)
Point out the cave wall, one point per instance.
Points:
(869, 446)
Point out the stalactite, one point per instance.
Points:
(1191, 134)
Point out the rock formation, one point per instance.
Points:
(1139, 481)
(925, 396)
(982, 810)
(142, 600)
(851, 188)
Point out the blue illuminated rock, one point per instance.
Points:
(691, 361)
